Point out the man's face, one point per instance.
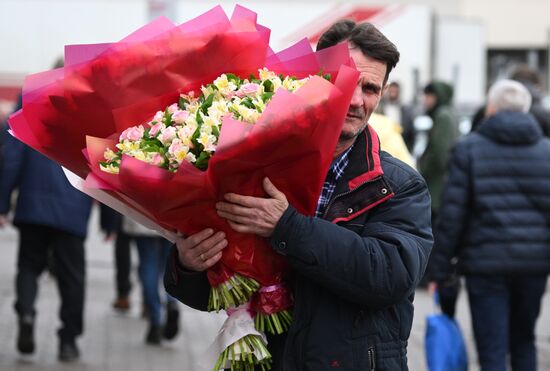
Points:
(429, 101)
(393, 93)
(367, 93)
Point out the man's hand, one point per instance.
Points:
(201, 250)
(254, 215)
(110, 236)
(3, 220)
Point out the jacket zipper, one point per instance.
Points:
(345, 194)
(372, 358)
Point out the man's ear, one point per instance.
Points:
(490, 110)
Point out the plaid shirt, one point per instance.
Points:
(335, 172)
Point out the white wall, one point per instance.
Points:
(511, 23)
(460, 57)
(34, 32)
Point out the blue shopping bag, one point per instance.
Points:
(444, 344)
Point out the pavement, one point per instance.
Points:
(115, 342)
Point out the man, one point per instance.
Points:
(532, 80)
(432, 164)
(51, 217)
(495, 219)
(354, 279)
(392, 107)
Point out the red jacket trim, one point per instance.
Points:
(372, 158)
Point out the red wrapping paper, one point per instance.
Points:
(72, 115)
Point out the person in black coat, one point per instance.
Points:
(357, 263)
(52, 218)
(495, 221)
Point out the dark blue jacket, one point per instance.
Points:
(495, 215)
(355, 271)
(45, 196)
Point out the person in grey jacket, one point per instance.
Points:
(495, 219)
(357, 262)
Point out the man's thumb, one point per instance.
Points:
(271, 190)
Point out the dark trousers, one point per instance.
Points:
(123, 263)
(35, 244)
(504, 313)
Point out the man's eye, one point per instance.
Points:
(369, 89)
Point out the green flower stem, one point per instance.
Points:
(241, 355)
(275, 323)
(236, 291)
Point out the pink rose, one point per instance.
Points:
(248, 89)
(175, 147)
(173, 108)
(180, 116)
(168, 134)
(134, 133)
(159, 116)
(157, 159)
(155, 129)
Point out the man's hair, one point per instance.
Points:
(395, 83)
(509, 95)
(366, 37)
(525, 74)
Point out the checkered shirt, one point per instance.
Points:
(335, 172)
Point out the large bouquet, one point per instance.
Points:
(165, 122)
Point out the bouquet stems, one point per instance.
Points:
(236, 291)
(275, 323)
(243, 355)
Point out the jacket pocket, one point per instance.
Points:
(364, 356)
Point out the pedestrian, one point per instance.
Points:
(495, 221)
(391, 139)
(111, 225)
(51, 217)
(392, 107)
(432, 164)
(153, 252)
(532, 80)
(357, 262)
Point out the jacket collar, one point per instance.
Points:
(363, 185)
(364, 162)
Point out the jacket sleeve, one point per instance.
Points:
(378, 268)
(453, 214)
(191, 288)
(10, 172)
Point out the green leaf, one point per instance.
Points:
(247, 102)
(207, 104)
(182, 103)
(234, 78)
(215, 131)
(268, 86)
(167, 120)
(199, 119)
(107, 163)
(202, 161)
(267, 97)
(326, 76)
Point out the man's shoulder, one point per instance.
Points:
(397, 172)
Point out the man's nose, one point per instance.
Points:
(357, 98)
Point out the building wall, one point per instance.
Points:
(512, 23)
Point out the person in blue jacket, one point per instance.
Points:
(494, 228)
(52, 218)
(355, 264)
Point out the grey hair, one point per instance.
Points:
(509, 95)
